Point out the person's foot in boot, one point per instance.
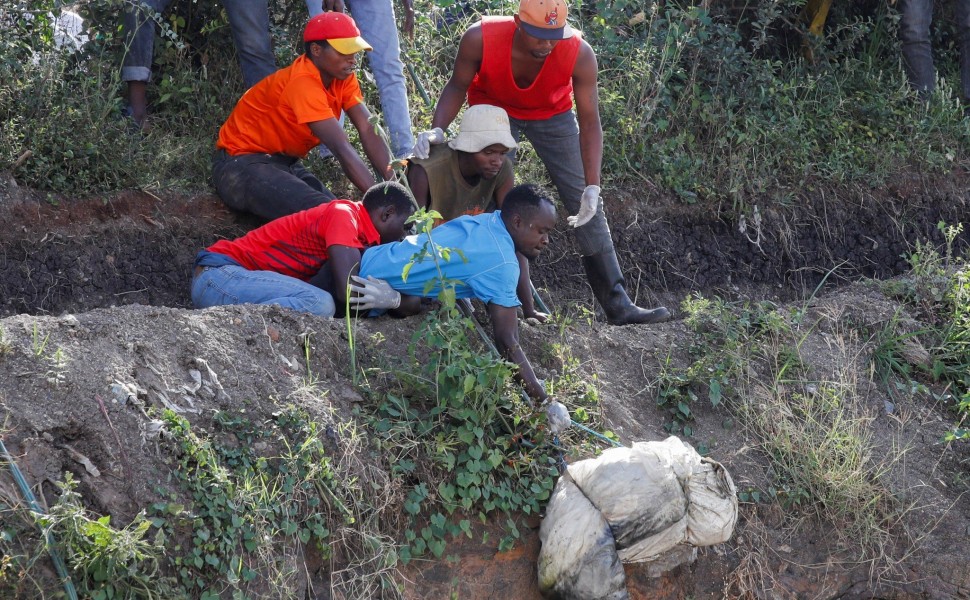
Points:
(606, 279)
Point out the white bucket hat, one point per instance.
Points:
(481, 126)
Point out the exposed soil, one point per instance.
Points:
(137, 248)
(106, 282)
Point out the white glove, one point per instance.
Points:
(587, 206)
(373, 293)
(422, 147)
(557, 416)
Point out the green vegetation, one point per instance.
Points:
(106, 562)
(749, 358)
(809, 425)
(248, 513)
(465, 444)
(714, 107)
(709, 107)
(937, 290)
(713, 120)
(55, 361)
(457, 435)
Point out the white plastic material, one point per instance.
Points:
(658, 500)
(577, 559)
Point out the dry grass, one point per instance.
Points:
(804, 400)
(753, 576)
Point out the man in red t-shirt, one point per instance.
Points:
(276, 263)
(534, 65)
(257, 166)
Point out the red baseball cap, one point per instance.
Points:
(544, 19)
(338, 29)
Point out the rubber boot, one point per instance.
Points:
(606, 279)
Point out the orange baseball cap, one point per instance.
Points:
(544, 19)
(338, 29)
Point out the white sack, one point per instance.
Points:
(712, 504)
(578, 558)
(653, 503)
(639, 490)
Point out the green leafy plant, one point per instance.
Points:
(938, 288)
(106, 562)
(726, 333)
(818, 443)
(457, 412)
(247, 512)
(38, 343)
(57, 367)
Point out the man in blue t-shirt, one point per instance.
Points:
(486, 268)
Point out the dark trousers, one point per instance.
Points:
(556, 141)
(267, 185)
(914, 32)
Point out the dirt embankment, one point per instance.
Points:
(90, 258)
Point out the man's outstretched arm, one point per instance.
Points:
(505, 329)
(586, 94)
(369, 293)
(467, 63)
(374, 147)
(329, 132)
(343, 261)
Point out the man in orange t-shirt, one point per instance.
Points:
(257, 165)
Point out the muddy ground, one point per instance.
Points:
(105, 281)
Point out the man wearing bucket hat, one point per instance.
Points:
(257, 165)
(534, 67)
(471, 174)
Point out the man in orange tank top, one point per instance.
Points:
(535, 66)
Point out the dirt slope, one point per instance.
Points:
(134, 251)
(55, 422)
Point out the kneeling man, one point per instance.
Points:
(257, 166)
(275, 263)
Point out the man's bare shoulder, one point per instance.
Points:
(471, 46)
(585, 61)
(472, 35)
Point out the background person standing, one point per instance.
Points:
(377, 24)
(914, 32)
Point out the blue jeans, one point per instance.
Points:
(248, 19)
(249, 23)
(914, 33)
(556, 141)
(139, 24)
(232, 284)
(267, 185)
(377, 24)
